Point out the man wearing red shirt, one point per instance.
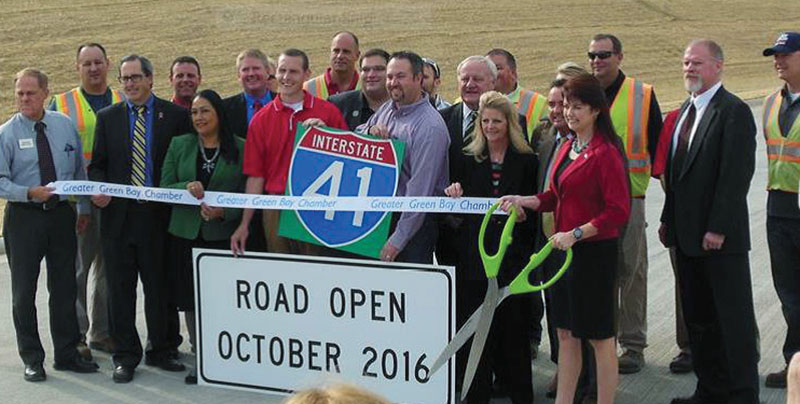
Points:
(268, 148)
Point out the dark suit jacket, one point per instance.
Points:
(354, 107)
(236, 114)
(518, 169)
(111, 158)
(180, 168)
(454, 118)
(710, 193)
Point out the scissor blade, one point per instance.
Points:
(461, 337)
(481, 332)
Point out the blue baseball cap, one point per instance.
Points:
(787, 42)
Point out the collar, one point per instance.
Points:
(405, 109)
(702, 100)
(787, 95)
(86, 94)
(514, 95)
(30, 122)
(249, 99)
(613, 89)
(148, 104)
(333, 88)
(308, 102)
(178, 101)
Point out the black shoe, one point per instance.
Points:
(681, 363)
(191, 378)
(123, 374)
(693, 399)
(777, 380)
(34, 372)
(168, 364)
(77, 365)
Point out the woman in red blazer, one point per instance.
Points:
(590, 195)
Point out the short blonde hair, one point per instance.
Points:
(499, 102)
(39, 75)
(569, 69)
(338, 394)
(252, 53)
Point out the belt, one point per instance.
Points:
(44, 206)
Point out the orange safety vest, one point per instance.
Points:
(74, 104)
(531, 104)
(630, 113)
(783, 152)
(319, 88)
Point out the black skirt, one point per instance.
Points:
(181, 272)
(583, 299)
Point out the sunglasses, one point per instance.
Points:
(600, 55)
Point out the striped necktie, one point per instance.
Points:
(470, 125)
(139, 149)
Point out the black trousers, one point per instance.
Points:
(30, 235)
(419, 249)
(138, 253)
(784, 253)
(718, 308)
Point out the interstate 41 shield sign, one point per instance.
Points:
(332, 162)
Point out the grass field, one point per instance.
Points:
(541, 34)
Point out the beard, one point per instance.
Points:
(693, 84)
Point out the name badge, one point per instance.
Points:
(26, 143)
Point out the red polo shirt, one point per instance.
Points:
(270, 138)
(334, 89)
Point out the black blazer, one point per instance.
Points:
(454, 117)
(236, 114)
(710, 193)
(516, 179)
(354, 107)
(111, 157)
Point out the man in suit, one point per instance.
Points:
(256, 74)
(131, 140)
(358, 105)
(705, 217)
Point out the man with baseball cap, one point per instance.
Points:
(782, 134)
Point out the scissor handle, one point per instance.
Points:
(521, 285)
(491, 263)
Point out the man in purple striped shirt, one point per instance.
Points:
(410, 118)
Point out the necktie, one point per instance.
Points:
(139, 148)
(682, 149)
(470, 125)
(256, 106)
(47, 168)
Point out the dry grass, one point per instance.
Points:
(541, 34)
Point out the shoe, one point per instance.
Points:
(84, 351)
(34, 372)
(552, 388)
(777, 380)
(77, 365)
(123, 374)
(169, 364)
(681, 363)
(631, 362)
(104, 345)
(693, 399)
(191, 378)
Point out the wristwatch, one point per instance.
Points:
(577, 233)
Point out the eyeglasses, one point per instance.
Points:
(602, 55)
(134, 78)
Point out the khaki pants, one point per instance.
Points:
(632, 280)
(283, 245)
(90, 252)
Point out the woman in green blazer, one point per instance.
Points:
(210, 160)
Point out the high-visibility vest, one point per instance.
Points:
(531, 104)
(630, 113)
(74, 104)
(783, 153)
(318, 88)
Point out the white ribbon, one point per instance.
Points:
(428, 204)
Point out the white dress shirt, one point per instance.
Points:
(700, 104)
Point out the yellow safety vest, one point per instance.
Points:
(783, 153)
(74, 104)
(531, 104)
(630, 113)
(318, 88)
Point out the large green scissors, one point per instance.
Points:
(481, 320)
